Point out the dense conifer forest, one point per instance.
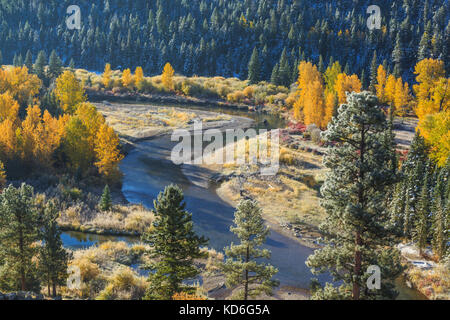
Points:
(217, 37)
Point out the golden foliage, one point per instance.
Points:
(187, 296)
(381, 84)
(435, 128)
(9, 108)
(330, 105)
(8, 141)
(389, 89)
(167, 76)
(309, 105)
(138, 77)
(76, 145)
(432, 90)
(91, 119)
(401, 97)
(106, 78)
(127, 78)
(331, 75)
(21, 85)
(107, 152)
(69, 92)
(345, 83)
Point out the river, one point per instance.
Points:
(147, 169)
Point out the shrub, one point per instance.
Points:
(315, 136)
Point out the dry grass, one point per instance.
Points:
(106, 273)
(137, 121)
(121, 219)
(435, 283)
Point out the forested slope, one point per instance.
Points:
(217, 37)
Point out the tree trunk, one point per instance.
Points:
(247, 257)
(21, 250)
(48, 288)
(357, 268)
(358, 259)
(54, 288)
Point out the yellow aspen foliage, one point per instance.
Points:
(69, 92)
(307, 75)
(381, 84)
(127, 78)
(9, 108)
(331, 103)
(435, 128)
(21, 85)
(430, 78)
(76, 145)
(186, 296)
(331, 76)
(2, 176)
(107, 152)
(8, 140)
(401, 98)
(29, 134)
(138, 78)
(167, 76)
(50, 135)
(344, 84)
(389, 90)
(441, 94)
(106, 77)
(91, 119)
(314, 105)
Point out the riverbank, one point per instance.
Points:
(297, 218)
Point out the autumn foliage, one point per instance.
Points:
(79, 139)
(186, 296)
(167, 76)
(69, 92)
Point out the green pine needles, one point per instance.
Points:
(357, 230)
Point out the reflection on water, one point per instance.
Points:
(80, 240)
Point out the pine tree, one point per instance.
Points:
(275, 77)
(243, 267)
(423, 210)
(284, 70)
(55, 66)
(425, 48)
(72, 65)
(441, 212)
(373, 73)
(105, 201)
(39, 65)
(174, 246)
(53, 258)
(19, 223)
(356, 230)
(398, 57)
(441, 229)
(29, 61)
(254, 68)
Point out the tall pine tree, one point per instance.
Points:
(243, 268)
(174, 246)
(356, 229)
